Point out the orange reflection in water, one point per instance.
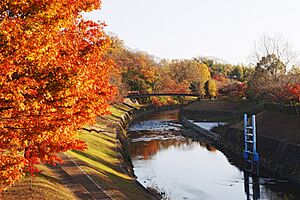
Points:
(147, 149)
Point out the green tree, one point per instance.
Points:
(248, 72)
(269, 79)
(238, 72)
(271, 65)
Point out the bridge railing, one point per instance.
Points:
(134, 93)
(160, 94)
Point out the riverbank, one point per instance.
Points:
(106, 163)
(107, 160)
(278, 134)
(183, 168)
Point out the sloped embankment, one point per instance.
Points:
(46, 186)
(278, 142)
(106, 162)
(278, 134)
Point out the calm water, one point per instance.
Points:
(184, 169)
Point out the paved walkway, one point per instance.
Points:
(78, 181)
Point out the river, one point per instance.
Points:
(180, 168)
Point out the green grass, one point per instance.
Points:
(45, 186)
(100, 153)
(102, 160)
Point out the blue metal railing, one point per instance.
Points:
(251, 155)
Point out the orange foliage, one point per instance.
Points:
(155, 101)
(162, 101)
(295, 91)
(169, 85)
(53, 79)
(234, 89)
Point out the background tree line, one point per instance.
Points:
(139, 71)
(267, 79)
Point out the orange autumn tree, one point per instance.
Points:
(53, 79)
(294, 90)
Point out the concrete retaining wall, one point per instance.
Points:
(188, 124)
(280, 157)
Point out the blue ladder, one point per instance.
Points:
(251, 157)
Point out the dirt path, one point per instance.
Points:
(78, 181)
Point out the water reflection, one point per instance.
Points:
(168, 115)
(186, 169)
(147, 149)
(254, 192)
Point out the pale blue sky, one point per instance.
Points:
(226, 29)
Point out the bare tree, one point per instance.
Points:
(275, 45)
(270, 79)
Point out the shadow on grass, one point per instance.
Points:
(50, 178)
(119, 187)
(128, 105)
(105, 139)
(114, 117)
(97, 159)
(122, 109)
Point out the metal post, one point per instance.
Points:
(254, 133)
(245, 136)
(255, 187)
(247, 185)
(255, 154)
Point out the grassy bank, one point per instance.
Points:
(102, 161)
(45, 186)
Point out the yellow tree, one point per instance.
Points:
(212, 88)
(203, 76)
(188, 71)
